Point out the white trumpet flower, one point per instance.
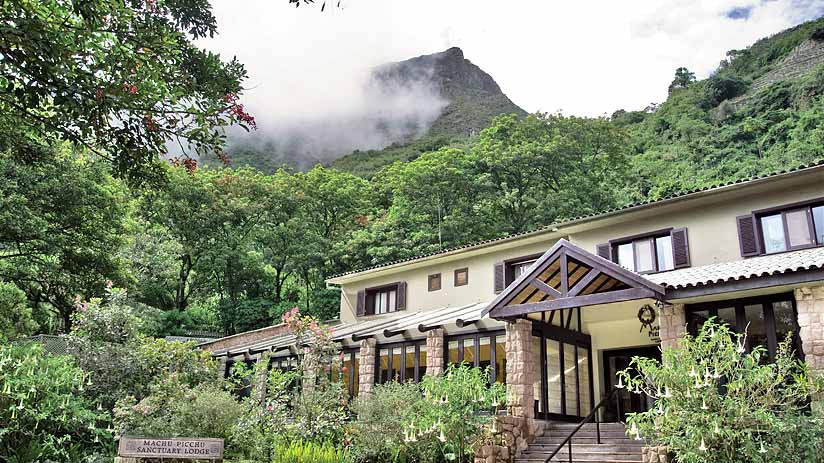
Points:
(620, 384)
(703, 447)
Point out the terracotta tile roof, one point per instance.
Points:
(772, 264)
(572, 220)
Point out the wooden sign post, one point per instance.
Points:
(177, 447)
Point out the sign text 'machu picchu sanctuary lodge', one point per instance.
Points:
(179, 448)
(555, 313)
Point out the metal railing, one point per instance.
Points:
(592, 414)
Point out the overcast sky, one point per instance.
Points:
(583, 57)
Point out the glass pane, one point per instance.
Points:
(500, 359)
(390, 301)
(663, 252)
(784, 320)
(469, 351)
(643, 254)
(422, 362)
(726, 316)
(484, 353)
(818, 220)
(396, 364)
(757, 327)
(409, 371)
(696, 320)
(626, 258)
(553, 375)
(356, 372)
(773, 230)
(583, 381)
(570, 376)
(453, 351)
(798, 228)
(383, 361)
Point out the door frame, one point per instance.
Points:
(623, 351)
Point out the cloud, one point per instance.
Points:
(585, 57)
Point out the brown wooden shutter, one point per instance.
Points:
(748, 236)
(500, 279)
(604, 250)
(361, 310)
(680, 248)
(400, 299)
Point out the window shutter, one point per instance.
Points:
(400, 299)
(748, 236)
(500, 281)
(604, 250)
(361, 310)
(680, 248)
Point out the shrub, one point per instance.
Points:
(714, 402)
(175, 408)
(310, 452)
(44, 415)
(16, 319)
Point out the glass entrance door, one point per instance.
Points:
(566, 389)
(624, 401)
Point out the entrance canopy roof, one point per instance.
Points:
(567, 276)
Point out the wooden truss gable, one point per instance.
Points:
(567, 276)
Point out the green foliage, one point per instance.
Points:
(309, 452)
(109, 321)
(118, 78)
(44, 413)
(714, 402)
(174, 408)
(443, 418)
(683, 79)
(16, 319)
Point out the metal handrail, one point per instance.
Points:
(593, 413)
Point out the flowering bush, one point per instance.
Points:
(714, 402)
(175, 408)
(106, 320)
(444, 418)
(44, 415)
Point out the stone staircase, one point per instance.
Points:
(615, 447)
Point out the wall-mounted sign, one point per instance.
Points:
(177, 447)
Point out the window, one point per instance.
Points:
(382, 300)
(785, 228)
(462, 277)
(519, 268)
(479, 350)
(768, 320)
(510, 270)
(435, 282)
(649, 253)
(402, 362)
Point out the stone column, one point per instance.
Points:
(366, 374)
(810, 304)
(260, 378)
(434, 352)
(672, 324)
(221, 367)
(520, 376)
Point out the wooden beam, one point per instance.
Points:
(584, 282)
(462, 323)
(545, 288)
(564, 275)
(579, 301)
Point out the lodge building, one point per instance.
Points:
(556, 312)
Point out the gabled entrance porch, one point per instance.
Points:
(566, 303)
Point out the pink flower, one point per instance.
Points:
(109, 284)
(306, 350)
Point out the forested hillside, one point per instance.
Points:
(230, 249)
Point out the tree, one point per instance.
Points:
(683, 79)
(61, 226)
(118, 78)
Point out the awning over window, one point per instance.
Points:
(567, 276)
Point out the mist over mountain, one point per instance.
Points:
(441, 96)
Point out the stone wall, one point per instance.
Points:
(434, 352)
(520, 369)
(244, 339)
(366, 374)
(672, 321)
(655, 455)
(512, 435)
